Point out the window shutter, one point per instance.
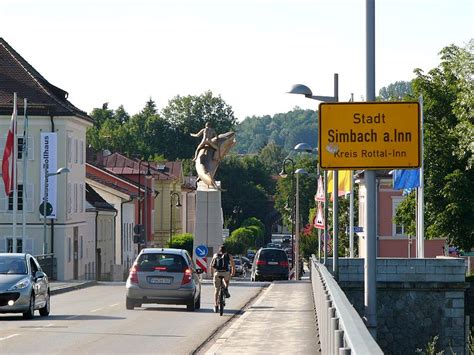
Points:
(2, 145)
(31, 147)
(76, 155)
(3, 245)
(30, 198)
(69, 149)
(3, 198)
(69, 198)
(29, 245)
(76, 199)
(81, 197)
(81, 151)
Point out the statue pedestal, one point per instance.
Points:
(208, 223)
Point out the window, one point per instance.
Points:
(68, 250)
(20, 147)
(76, 153)
(19, 245)
(81, 152)
(69, 149)
(82, 247)
(397, 229)
(11, 248)
(75, 197)
(20, 199)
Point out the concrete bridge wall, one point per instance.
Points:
(417, 299)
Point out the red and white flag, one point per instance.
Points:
(8, 159)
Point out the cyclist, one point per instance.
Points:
(222, 264)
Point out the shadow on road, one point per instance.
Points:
(52, 317)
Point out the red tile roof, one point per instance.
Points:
(17, 75)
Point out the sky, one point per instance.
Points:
(250, 52)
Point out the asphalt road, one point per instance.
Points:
(94, 320)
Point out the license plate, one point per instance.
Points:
(160, 280)
(273, 263)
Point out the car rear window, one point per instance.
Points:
(273, 255)
(161, 262)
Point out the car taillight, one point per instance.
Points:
(133, 274)
(261, 262)
(161, 268)
(283, 263)
(187, 277)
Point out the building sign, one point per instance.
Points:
(369, 135)
(49, 163)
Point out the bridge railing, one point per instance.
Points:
(341, 330)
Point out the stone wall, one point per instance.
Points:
(417, 299)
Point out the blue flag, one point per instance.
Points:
(406, 179)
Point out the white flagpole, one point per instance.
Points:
(421, 198)
(25, 167)
(14, 158)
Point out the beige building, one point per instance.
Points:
(56, 137)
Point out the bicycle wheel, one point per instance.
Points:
(221, 301)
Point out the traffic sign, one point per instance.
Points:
(49, 209)
(201, 251)
(320, 193)
(371, 135)
(319, 219)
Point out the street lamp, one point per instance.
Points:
(284, 174)
(45, 200)
(305, 147)
(306, 91)
(297, 223)
(178, 204)
(148, 176)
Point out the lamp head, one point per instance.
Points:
(303, 147)
(301, 89)
(301, 171)
(148, 174)
(63, 170)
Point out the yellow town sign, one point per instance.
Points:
(369, 135)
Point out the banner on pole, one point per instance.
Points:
(49, 164)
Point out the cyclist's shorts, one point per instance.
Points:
(217, 280)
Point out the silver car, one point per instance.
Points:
(166, 276)
(24, 287)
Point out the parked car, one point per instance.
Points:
(164, 276)
(270, 264)
(24, 287)
(239, 268)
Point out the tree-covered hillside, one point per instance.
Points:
(283, 129)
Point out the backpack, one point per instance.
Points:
(221, 262)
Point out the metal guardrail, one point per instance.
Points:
(341, 330)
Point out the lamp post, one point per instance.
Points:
(305, 147)
(178, 204)
(306, 91)
(45, 200)
(297, 223)
(147, 176)
(284, 174)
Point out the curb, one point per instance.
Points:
(72, 287)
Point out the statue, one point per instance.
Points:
(210, 152)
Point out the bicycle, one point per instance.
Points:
(221, 296)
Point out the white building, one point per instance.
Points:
(57, 134)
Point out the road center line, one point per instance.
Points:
(97, 309)
(113, 305)
(8, 337)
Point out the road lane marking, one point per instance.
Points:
(9, 336)
(115, 304)
(97, 309)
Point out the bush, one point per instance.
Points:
(244, 236)
(182, 241)
(234, 246)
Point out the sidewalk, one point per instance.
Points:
(57, 287)
(281, 321)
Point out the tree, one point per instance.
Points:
(395, 92)
(448, 95)
(188, 114)
(182, 241)
(271, 157)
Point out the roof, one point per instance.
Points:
(97, 201)
(122, 165)
(17, 75)
(109, 179)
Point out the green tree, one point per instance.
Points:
(189, 114)
(234, 247)
(271, 157)
(448, 95)
(395, 92)
(244, 236)
(182, 241)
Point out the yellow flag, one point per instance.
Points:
(344, 179)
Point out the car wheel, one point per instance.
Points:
(31, 309)
(129, 304)
(198, 302)
(44, 312)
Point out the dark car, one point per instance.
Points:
(270, 264)
(164, 276)
(24, 287)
